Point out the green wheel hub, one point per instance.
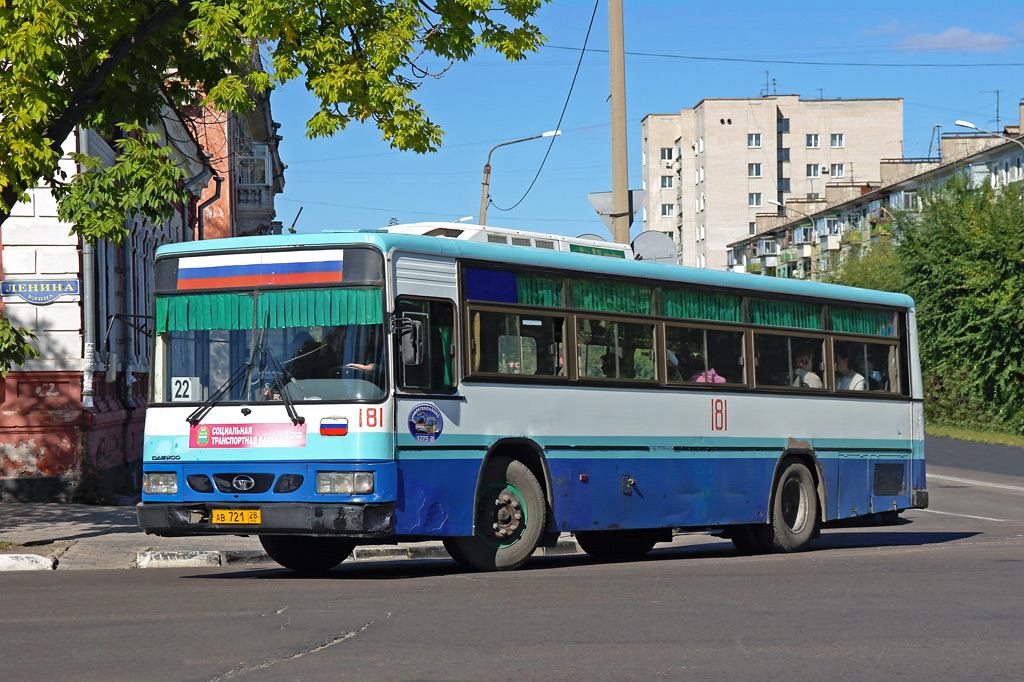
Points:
(503, 515)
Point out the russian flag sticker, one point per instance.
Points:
(334, 426)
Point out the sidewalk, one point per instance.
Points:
(45, 536)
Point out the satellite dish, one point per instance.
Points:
(655, 247)
(589, 235)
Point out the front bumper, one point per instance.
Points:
(176, 519)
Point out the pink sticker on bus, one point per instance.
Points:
(247, 436)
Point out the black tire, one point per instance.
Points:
(307, 554)
(618, 545)
(793, 520)
(510, 517)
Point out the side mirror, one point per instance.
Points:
(411, 334)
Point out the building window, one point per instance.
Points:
(812, 140)
(832, 225)
(908, 201)
(254, 166)
(666, 153)
(837, 141)
(783, 125)
(783, 154)
(666, 182)
(753, 140)
(813, 171)
(700, 145)
(813, 196)
(753, 170)
(700, 172)
(752, 227)
(667, 210)
(754, 199)
(838, 171)
(783, 184)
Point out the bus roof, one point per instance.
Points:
(401, 239)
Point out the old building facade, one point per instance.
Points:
(73, 418)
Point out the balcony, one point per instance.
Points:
(829, 242)
(852, 236)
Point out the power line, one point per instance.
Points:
(663, 55)
(565, 106)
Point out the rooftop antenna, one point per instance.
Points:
(934, 143)
(767, 84)
(989, 92)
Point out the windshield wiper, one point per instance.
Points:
(204, 408)
(279, 372)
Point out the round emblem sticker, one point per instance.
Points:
(425, 423)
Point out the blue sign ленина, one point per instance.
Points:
(40, 291)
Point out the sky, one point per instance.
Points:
(947, 60)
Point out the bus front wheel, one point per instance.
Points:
(510, 517)
(307, 554)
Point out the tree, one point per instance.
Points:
(960, 259)
(119, 66)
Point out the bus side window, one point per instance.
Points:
(789, 361)
(437, 371)
(512, 343)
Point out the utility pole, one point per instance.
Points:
(621, 213)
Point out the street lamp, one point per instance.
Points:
(484, 196)
(968, 124)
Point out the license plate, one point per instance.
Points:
(249, 517)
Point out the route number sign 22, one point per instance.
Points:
(182, 389)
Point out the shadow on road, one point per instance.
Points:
(406, 569)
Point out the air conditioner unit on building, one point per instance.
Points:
(824, 171)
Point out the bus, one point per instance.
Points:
(494, 389)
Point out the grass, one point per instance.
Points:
(975, 436)
(4, 544)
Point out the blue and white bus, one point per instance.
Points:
(494, 389)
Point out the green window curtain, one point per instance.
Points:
(785, 313)
(538, 290)
(611, 297)
(273, 309)
(861, 321)
(698, 305)
(319, 307)
(203, 312)
(447, 359)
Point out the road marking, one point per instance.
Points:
(981, 483)
(965, 516)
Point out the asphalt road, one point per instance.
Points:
(938, 597)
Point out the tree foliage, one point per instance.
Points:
(121, 66)
(101, 63)
(962, 260)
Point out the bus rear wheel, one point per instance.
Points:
(307, 554)
(617, 544)
(794, 513)
(510, 517)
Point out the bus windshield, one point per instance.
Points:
(297, 344)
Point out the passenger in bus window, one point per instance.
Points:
(849, 379)
(805, 375)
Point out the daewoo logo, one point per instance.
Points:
(243, 483)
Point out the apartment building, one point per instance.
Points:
(711, 169)
(808, 242)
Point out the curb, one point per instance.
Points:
(198, 559)
(26, 562)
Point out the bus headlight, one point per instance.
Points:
(344, 482)
(160, 483)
